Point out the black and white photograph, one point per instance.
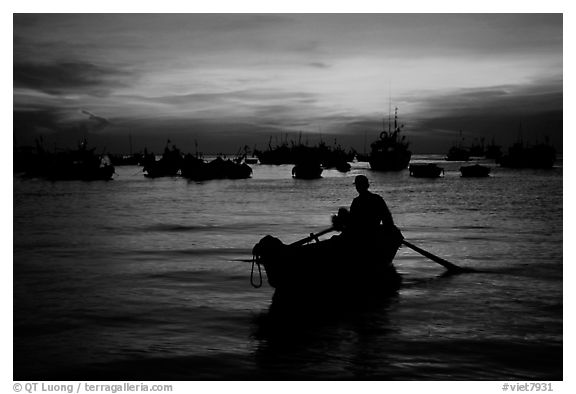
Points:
(246, 196)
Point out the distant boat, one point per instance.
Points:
(335, 157)
(343, 166)
(429, 170)
(475, 171)
(458, 153)
(197, 169)
(127, 160)
(535, 156)
(390, 153)
(80, 164)
(477, 149)
(307, 170)
(493, 151)
(294, 153)
(168, 165)
(362, 157)
(281, 154)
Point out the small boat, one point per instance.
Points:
(335, 157)
(457, 153)
(475, 171)
(535, 156)
(343, 166)
(493, 151)
(71, 165)
(429, 170)
(307, 170)
(341, 265)
(197, 169)
(168, 165)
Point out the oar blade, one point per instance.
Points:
(451, 267)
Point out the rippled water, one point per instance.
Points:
(143, 279)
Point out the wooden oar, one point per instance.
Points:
(312, 237)
(452, 268)
(303, 241)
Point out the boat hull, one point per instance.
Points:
(425, 171)
(475, 171)
(304, 171)
(338, 265)
(390, 161)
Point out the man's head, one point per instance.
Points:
(361, 183)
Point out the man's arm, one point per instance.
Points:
(385, 215)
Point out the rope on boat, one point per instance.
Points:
(264, 249)
(256, 260)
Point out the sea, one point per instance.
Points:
(140, 279)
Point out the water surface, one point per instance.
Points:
(143, 279)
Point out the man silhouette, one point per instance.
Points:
(367, 226)
(368, 210)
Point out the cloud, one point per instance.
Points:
(243, 72)
(99, 122)
(538, 96)
(318, 65)
(69, 77)
(31, 122)
(491, 112)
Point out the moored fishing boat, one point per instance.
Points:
(168, 165)
(339, 265)
(535, 156)
(343, 166)
(458, 153)
(429, 170)
(307, 170)
(390, 152)
(70, 165)
(197, 169)
(475, 171)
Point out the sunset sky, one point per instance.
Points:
(229, 80)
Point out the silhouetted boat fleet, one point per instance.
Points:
(174, 163)
(390, 152)
(460, 152)
(519, 155)
(79, 164)
(531, 156)
(308, 161)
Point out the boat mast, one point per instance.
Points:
(389, 115)
(389, 107)
(130, 141)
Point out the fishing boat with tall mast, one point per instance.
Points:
(390, 152)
